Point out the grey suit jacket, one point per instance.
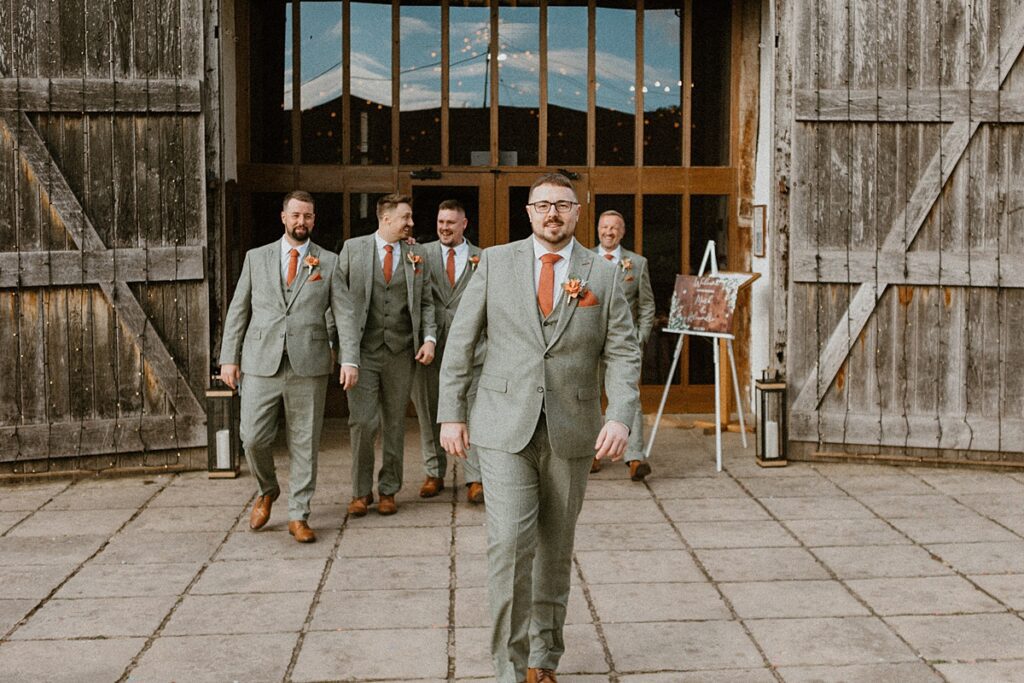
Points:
(260, 319)
(522, 374)
(446, 299)
(355, 267)
(636, 284)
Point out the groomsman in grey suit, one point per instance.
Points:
(388, 328)
(451, 262)
(554, 314)
(277, 337)
(636, 284)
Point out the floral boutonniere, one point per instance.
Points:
(574, 288)
(474, 261)
(627, 266)
(415, 259)
(311, 263)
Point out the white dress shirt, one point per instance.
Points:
(461, 257)
(396, 252)
(616, 254)
(286, 247)
(561, 266)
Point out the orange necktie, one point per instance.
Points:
(546, 288)
(387, 262)
(609, 257)
(293, 266)
(449, 267)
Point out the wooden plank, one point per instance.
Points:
(97, 437)
(897, 105)
(100, 95)
(104, 341)
(6, 38)
(72, 39)
(121, 38)
(917, 431)
(55, 306)
(191, 36)
(79, 354)
(32, 356)
(978, 268)
(98, 29)
(25, 30)
(10, 390)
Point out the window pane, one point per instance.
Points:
(270, 73)
(519, 80)
(362, 213)
(662, 247)
(371, 83)
(327, 229)
(420, 94)
(567, 82)
(469, 85)
(711, 79)
(709, 220)
(615, 89)
(623, 203)
(663, 81)
(320, 54)
(519, 227)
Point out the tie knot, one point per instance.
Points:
(609, 257)
(451, 251)
(550, 258)
(294, 253)
(389, 248)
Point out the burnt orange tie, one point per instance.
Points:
(387, 262)
(449, 267)
(546, 288)
(293, 266)
(609, 257)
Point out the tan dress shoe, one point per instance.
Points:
(431, 487)
(475, 494)
(301, 531)
(540, 676)
(360, 506)
(638, 469)
(387, 506)
(595, 466)
(260, 513)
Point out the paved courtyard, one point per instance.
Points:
(831, 572)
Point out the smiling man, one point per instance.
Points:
(553, 314)
(389, 328)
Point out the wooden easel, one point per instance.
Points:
(710, 260)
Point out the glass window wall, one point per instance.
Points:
(321, 51)
(469, 137)
(662, 245)
(270, 83)
(663, 83)
(567, 82)
(370, 79)
(420, 91)
(712, 47)
(615, 89)
(519, 81)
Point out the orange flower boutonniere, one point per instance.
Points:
(627, 266)
(311, 262)
(415, 259)
(474, 261)
(574, 288)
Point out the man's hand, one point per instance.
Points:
(229, 374)
(455, 438)
(349, 376)
(425, 355)
(611, 442)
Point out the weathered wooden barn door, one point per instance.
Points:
(103, 296)
(906, 307)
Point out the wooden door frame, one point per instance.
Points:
(484, 182)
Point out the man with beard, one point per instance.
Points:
(280, 324)
(636, 285)
(553, 313)
(388, 327)
(450, 263)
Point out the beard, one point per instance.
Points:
(554, 231)
(299, 233)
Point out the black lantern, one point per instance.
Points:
(223, 444)
(771, 421)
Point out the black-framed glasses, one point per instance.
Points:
(562, 206)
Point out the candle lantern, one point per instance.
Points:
(771, 420)
(224, 443)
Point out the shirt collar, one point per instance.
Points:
(460, 249)
(616, 252)
(286, 247)
(381, 243)
(565, 252)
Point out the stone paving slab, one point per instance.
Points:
(767, 534)
(409, 573)
(659, 536)
(903, 672)
(274, 542)
(239, 613)
(129, 580)
(713, 509)
(9, 519)
(72, 523)
(640, 602)
(927, 505)
(472, 611)
(32, 581)
(50, 660)
(881, 561)
(926, 595)
(187, 519)
(404, 542)
(61, 550)
(789, 487)
(990, 672)
(264, 576)
(966, 528)
(12, 611)
(381, 609)
(642, 566)
(613, 512)
(722, 676)
(816, 507)
(127, 494)
(681, 646)
(982, 558)
(215, 659)
(831, 532)
(96, 618)
(963, 637)
(1007, 588)
(401, 654)
(766, 599)
(28, 497)
(760, 564)
(832, 641)
(140, 547)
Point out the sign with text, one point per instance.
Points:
(704, 304)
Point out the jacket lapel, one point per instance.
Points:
(438, 276)
(410, 273)
(580, 264)
(368, 261)
(467, 272)
(525, 290)
(273, 270)
(303, 274)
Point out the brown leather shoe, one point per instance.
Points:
(595, 466)
(301, 531)
(475, 494)
(638, 469)
(386, 506)
(540, 676)
(260, 513)
(431, 487)
(360, 505)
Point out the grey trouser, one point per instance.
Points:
(533, 499)
(635, 446)
(303, 399)
(378, 401)
(424, 397)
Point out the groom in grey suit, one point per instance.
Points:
(554, 314)
(636, 285)
(277, 334)
(388, 327)
(451, 262)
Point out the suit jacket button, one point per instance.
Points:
(547, 356)
(540, 390)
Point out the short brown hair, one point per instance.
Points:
(556, 179)
(612, 212)
(452, 205)
(298, 195)
(390, 201)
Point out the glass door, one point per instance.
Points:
(475, 191)
(512, 192)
